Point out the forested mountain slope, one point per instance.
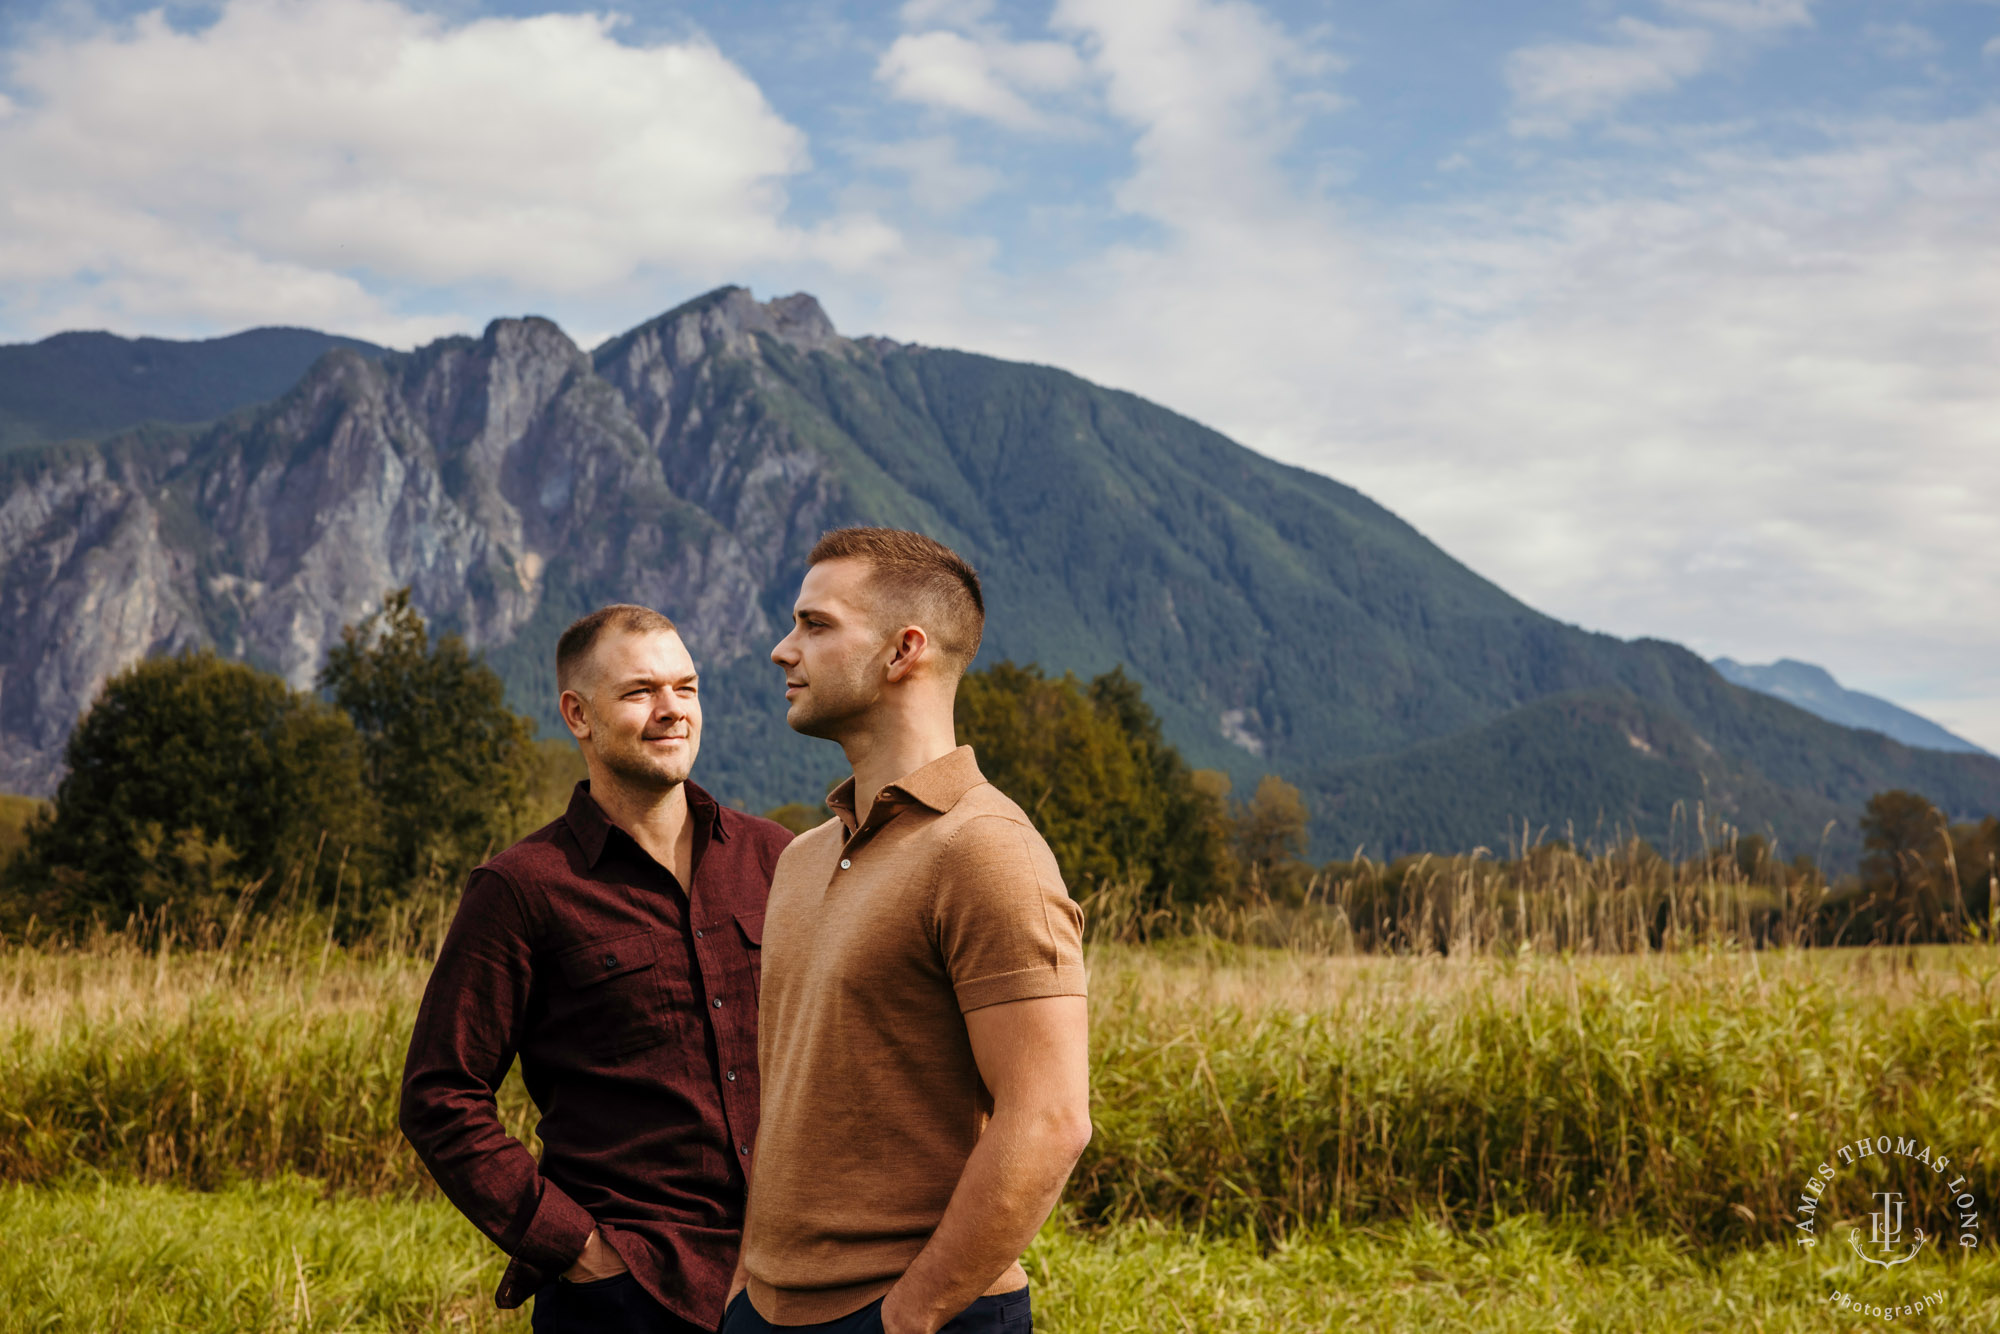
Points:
(85, 385)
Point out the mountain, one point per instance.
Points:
(1814, 690)
(1278, 620)
(86, 385)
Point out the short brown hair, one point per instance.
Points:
(576, 642)
(935, 582)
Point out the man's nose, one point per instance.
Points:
(781, 650)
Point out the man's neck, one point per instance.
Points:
(895, 747)
(656, 818)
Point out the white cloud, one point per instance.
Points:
(297, 155)
(1748, 406)
(940, 181)
(1747, 15)
(1558, 85)
(982, 75)
(1213, 89)
(1992, 48)
(1902, 41)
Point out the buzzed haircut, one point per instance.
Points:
(926, 582)
(574, 647)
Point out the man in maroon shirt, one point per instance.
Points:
(616, 953)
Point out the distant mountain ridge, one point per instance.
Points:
(1278, 620)
(87, 385)
(1814, 690)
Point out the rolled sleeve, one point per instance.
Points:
(1006, 926)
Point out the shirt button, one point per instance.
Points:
(697, 935)
(844, 863)
(717, 1002)
(731, 1076)
(610, 961)
(743, 1149)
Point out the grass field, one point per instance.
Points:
(284, 1256)
(205, 1140)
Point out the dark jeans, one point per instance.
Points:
(1006, 1313)
(609, 1306)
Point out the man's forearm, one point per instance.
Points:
(495, 1182)
(1010, 1184)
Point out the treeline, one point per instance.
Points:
(206, 789)
(1924, 880)
(1160, 848)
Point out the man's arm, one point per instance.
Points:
(1035, 1059)
(467, 1031)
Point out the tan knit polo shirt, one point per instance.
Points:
(877, 940)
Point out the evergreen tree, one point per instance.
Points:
(448, 762)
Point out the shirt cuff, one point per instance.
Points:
(554, 1237)
(1027, 984)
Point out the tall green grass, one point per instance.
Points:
(1234, 1087)
(1686, 1093)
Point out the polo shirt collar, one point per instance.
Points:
(591, 827)
(938, 785)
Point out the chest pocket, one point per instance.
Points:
(616, 999)
(750, 927)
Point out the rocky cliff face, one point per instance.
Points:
(478, 472)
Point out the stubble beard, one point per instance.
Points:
(652, 772)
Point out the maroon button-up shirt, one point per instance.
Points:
(631, 1001)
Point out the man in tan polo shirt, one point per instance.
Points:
(922, 1032)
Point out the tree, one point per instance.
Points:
(16, 814)
(1271, 834)
(1976, 852)
(188, 778)
(1182, 831)
(1114, 801)
(1909, 892)
(448, 762)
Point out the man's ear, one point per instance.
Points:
(570, 705)
(910, 646)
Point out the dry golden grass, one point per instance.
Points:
(1234, 1085)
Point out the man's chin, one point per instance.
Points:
(807, 723)
(652, 771)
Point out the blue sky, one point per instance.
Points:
(1673, 317)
